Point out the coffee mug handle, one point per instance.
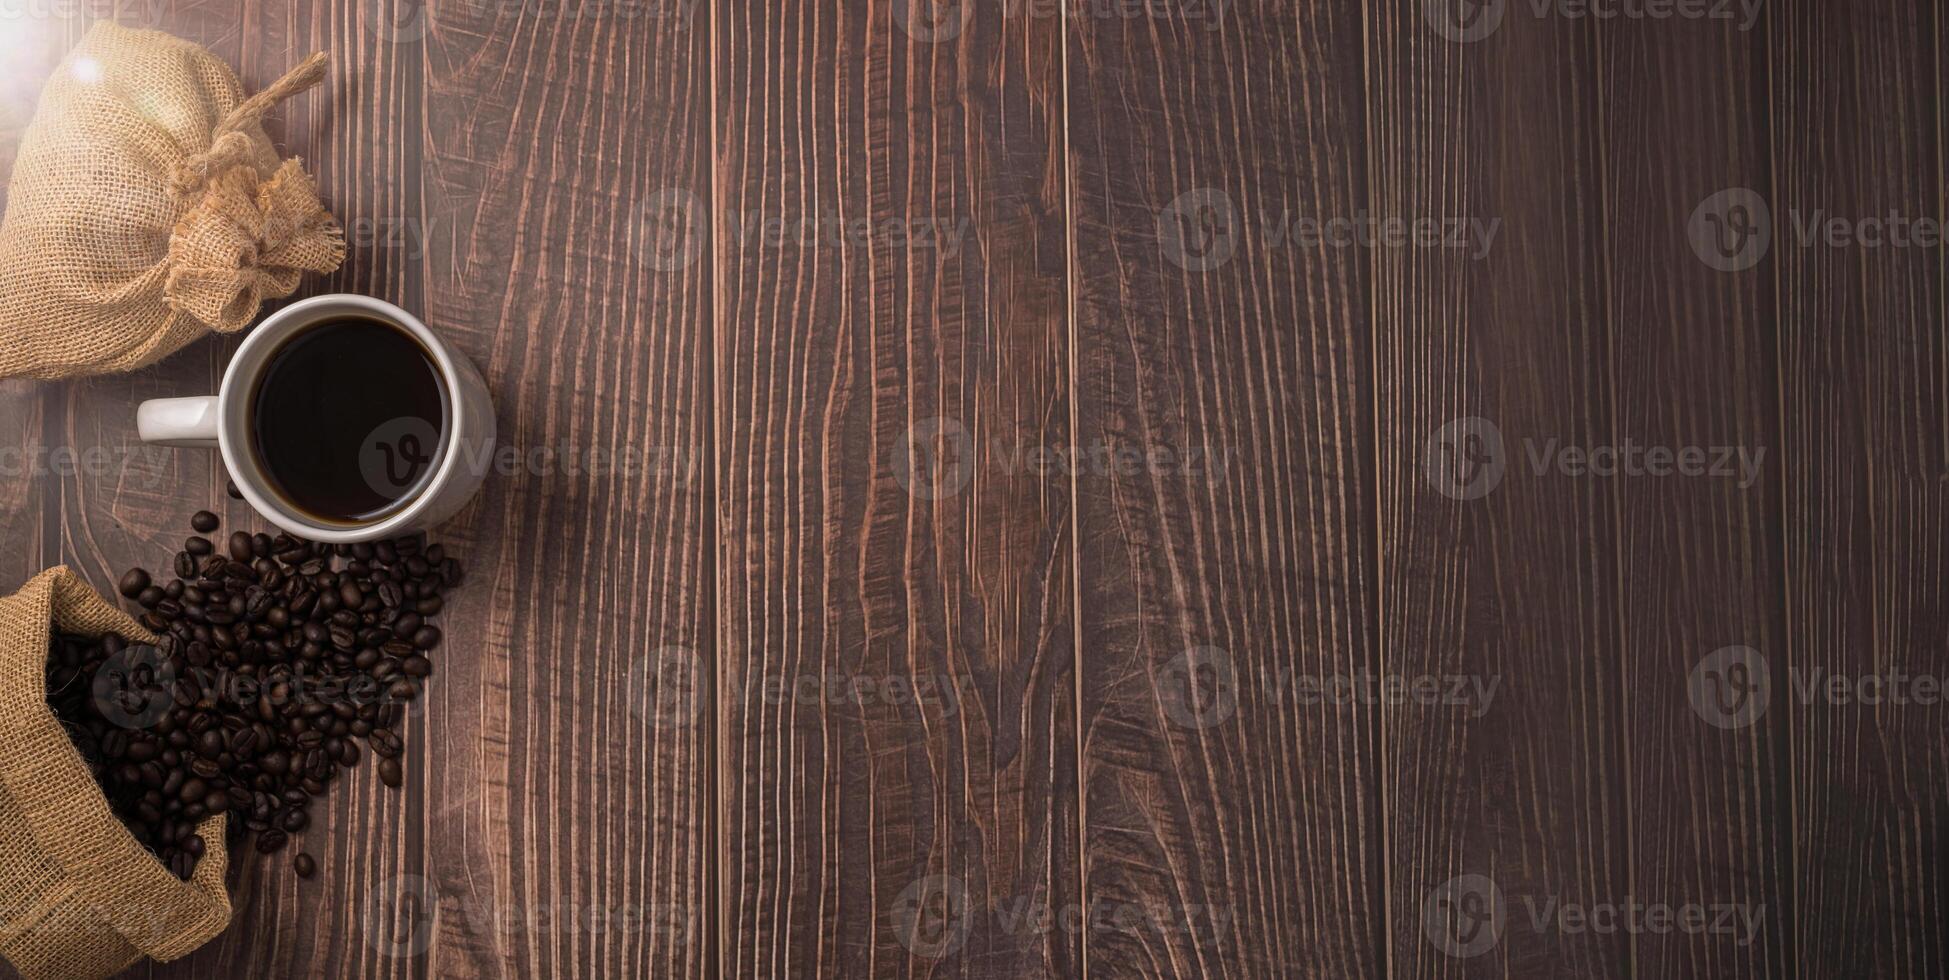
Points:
(189, 422)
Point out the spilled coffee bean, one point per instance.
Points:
(277, 658)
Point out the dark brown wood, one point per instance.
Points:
(1221, 580)
(1692, 354)
(863, 604)
(565, 788)
(884, 402)
(1514, 584)
(1864, 377)
(358, 134)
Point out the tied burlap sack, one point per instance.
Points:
(147, 207)
(79, 896)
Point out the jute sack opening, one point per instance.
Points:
(147, 208)
(79, 896)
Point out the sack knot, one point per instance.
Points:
(248, 241)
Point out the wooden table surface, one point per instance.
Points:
(984, 508)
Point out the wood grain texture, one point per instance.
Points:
(1692, 355)
(1864, 368)
(29, 487)
(1512, 584)
(358, 134)
(899, 785)
(950, 479)
(1226, 567)
(568, 765)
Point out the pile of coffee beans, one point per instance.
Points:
(277, 658)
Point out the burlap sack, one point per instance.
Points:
(147, 207)
(79, 897)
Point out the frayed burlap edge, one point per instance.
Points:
(110, 877)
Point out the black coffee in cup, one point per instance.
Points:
(349, 416)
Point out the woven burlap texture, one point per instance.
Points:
(147, 207)
(79, 896)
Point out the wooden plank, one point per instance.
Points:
(1692, 352)
(891, 361)
(1228, 576)
(358, 134)
(1492, 570)
(566, 807)
(29, 484)
(1864, 377)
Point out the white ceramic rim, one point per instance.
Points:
(236, 385)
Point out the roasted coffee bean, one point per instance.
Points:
(134, 583)
(230, 487)
(276, 612)
(304, 864)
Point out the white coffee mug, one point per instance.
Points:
(224, 421)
